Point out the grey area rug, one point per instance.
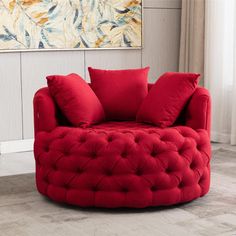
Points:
(24, 212)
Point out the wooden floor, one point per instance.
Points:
(24, 212)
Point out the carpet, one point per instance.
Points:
(23, 211)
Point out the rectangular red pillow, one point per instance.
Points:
(167, 98)
(121, 92)
(76, 99)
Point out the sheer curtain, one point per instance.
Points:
(220, 67)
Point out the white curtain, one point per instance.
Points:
(220, 67)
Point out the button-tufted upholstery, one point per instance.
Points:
(120, 164)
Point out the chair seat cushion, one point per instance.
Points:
(123, 164)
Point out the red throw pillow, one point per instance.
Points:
(121, 92)
(76, 99)
(167, 98)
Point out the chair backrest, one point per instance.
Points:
(196, 113)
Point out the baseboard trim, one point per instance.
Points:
(25, 145)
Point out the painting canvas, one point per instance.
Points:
(70, 24)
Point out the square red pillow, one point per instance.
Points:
(121, 92)
(76, 99)
(167, 98)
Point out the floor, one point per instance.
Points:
(24, 212)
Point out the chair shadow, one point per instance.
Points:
(120, 210)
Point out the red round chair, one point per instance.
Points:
(122, 164)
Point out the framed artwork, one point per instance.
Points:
(70, 24)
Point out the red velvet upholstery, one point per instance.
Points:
(198, 114)
(44, 111)
(167, 98)
(76, 99)
(122, 164)
(121, 92)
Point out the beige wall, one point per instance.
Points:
(21, 74)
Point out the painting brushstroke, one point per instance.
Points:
(70, 24)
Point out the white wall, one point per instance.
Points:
(21, 74)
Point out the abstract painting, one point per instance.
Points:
(70, 24)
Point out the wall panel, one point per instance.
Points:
(10, 97)
(163, 4)
(35, 67)
(161, 42)
(113, 59)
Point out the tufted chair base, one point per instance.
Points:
(123, 164)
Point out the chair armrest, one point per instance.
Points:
(44, 111)
(198, 111)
